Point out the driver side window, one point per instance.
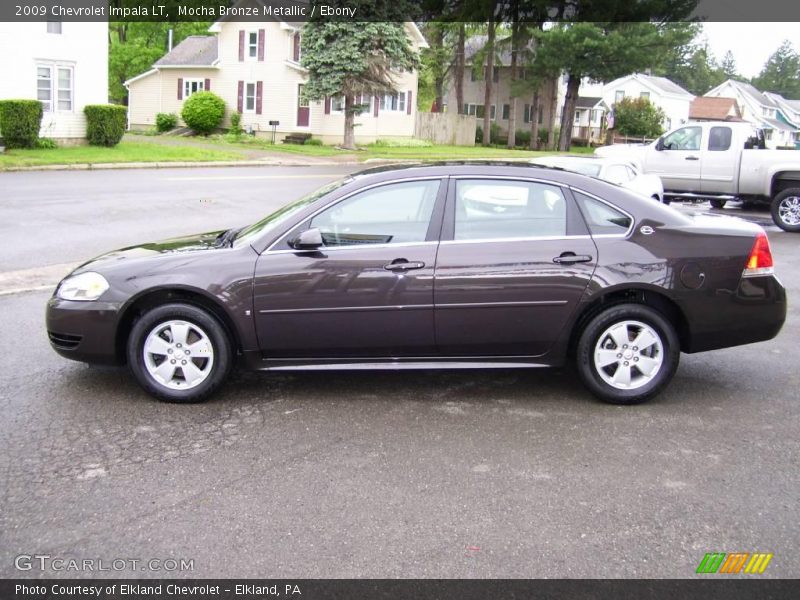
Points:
(685, 138)
(389, 214)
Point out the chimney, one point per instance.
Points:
(169, 41)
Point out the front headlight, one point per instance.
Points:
(83, 287)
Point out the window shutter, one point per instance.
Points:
(180, 88)
(327, 105)
(240, 97)
(376, 109)
(241, 45)
(408, 103)
(259, 96)
(296, 49)
(207, 85)
(261, 35)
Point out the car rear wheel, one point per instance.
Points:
(716, 203)
(179, 353)
(786, 210)
(627, 354)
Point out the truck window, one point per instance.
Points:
(685, 138)
(719, 139)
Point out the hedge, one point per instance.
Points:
(20, 121)
(166, 122)
(203, 112)
(105, 124)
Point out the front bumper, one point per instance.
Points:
(84, 331)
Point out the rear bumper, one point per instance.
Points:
(754, 312)
(84, 331)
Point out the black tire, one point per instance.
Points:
(198, 320)
(717, 203)
(780, 204)
(666, 200)
(590, 373)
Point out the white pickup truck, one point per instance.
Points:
(720, 161)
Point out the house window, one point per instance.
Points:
(397, 102)
(644, 95)
(619, 95)
(526, 115)
(250, 97)
(54, 27)
(577, 117)
(54, 87)
(540, 118)
(64, 88)
(506, 111)
(496, 74)
(44, 87)
(337, 104)
(192, 86)
(252, 45)
(297, 47)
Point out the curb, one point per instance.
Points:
(175, 165)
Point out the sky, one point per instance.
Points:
(751, 43)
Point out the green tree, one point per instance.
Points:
(638, 117)
(728, 66)
(781, 73)
(348, 59)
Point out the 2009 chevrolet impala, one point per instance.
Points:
(449, 265)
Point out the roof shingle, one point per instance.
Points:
(194, 51)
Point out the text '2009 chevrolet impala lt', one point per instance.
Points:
(451, 265)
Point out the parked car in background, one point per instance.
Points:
(462, 265)
(619, 172)
(720, 161)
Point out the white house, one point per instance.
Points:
(255, 68)
(64, 65)
(788, 112)
(759, 109)
(589, 118)
(666, 94)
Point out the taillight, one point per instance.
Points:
(760, 260)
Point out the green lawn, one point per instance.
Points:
(125, 152)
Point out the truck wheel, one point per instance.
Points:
(786, 210)
(717, 203)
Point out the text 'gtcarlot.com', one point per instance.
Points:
(45, 562)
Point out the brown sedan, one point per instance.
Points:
(483, 265)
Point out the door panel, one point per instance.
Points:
(342, 302)
(303, 108)
(678, 164)
(720, 162)
(367, 291)
(515, 272)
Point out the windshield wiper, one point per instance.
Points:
(226, 237)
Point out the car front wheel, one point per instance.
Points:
(717, 203)
(786, 210)
(627, 354)
(179, 353)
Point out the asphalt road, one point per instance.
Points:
(409, 474)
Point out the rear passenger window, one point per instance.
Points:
(719, 139)
(494, 209)
(602, 218)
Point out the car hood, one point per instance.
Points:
(181, 246)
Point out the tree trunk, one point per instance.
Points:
(349, 123)
(512, 99)
(436, 41)
(534, 115)
(568, 115)
(458, 71)
(487, 79)
(551, 120)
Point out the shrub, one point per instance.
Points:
(46, 144)
(402, 143)
(312, 142)
(203, 112)
(494, 134)
(236, 124)
(105, 124)
(522, 137)
(638, 117)
(479, 135)
(20, 121)
(166, 122)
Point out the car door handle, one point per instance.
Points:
(692, 158)
(401, 264)
(568, 258)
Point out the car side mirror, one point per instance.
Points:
(310, 239)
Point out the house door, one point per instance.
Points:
(303, 110)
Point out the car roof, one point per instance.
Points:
(474, 168)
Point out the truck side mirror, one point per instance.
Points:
(660, 144)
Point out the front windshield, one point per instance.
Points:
(282, 214)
